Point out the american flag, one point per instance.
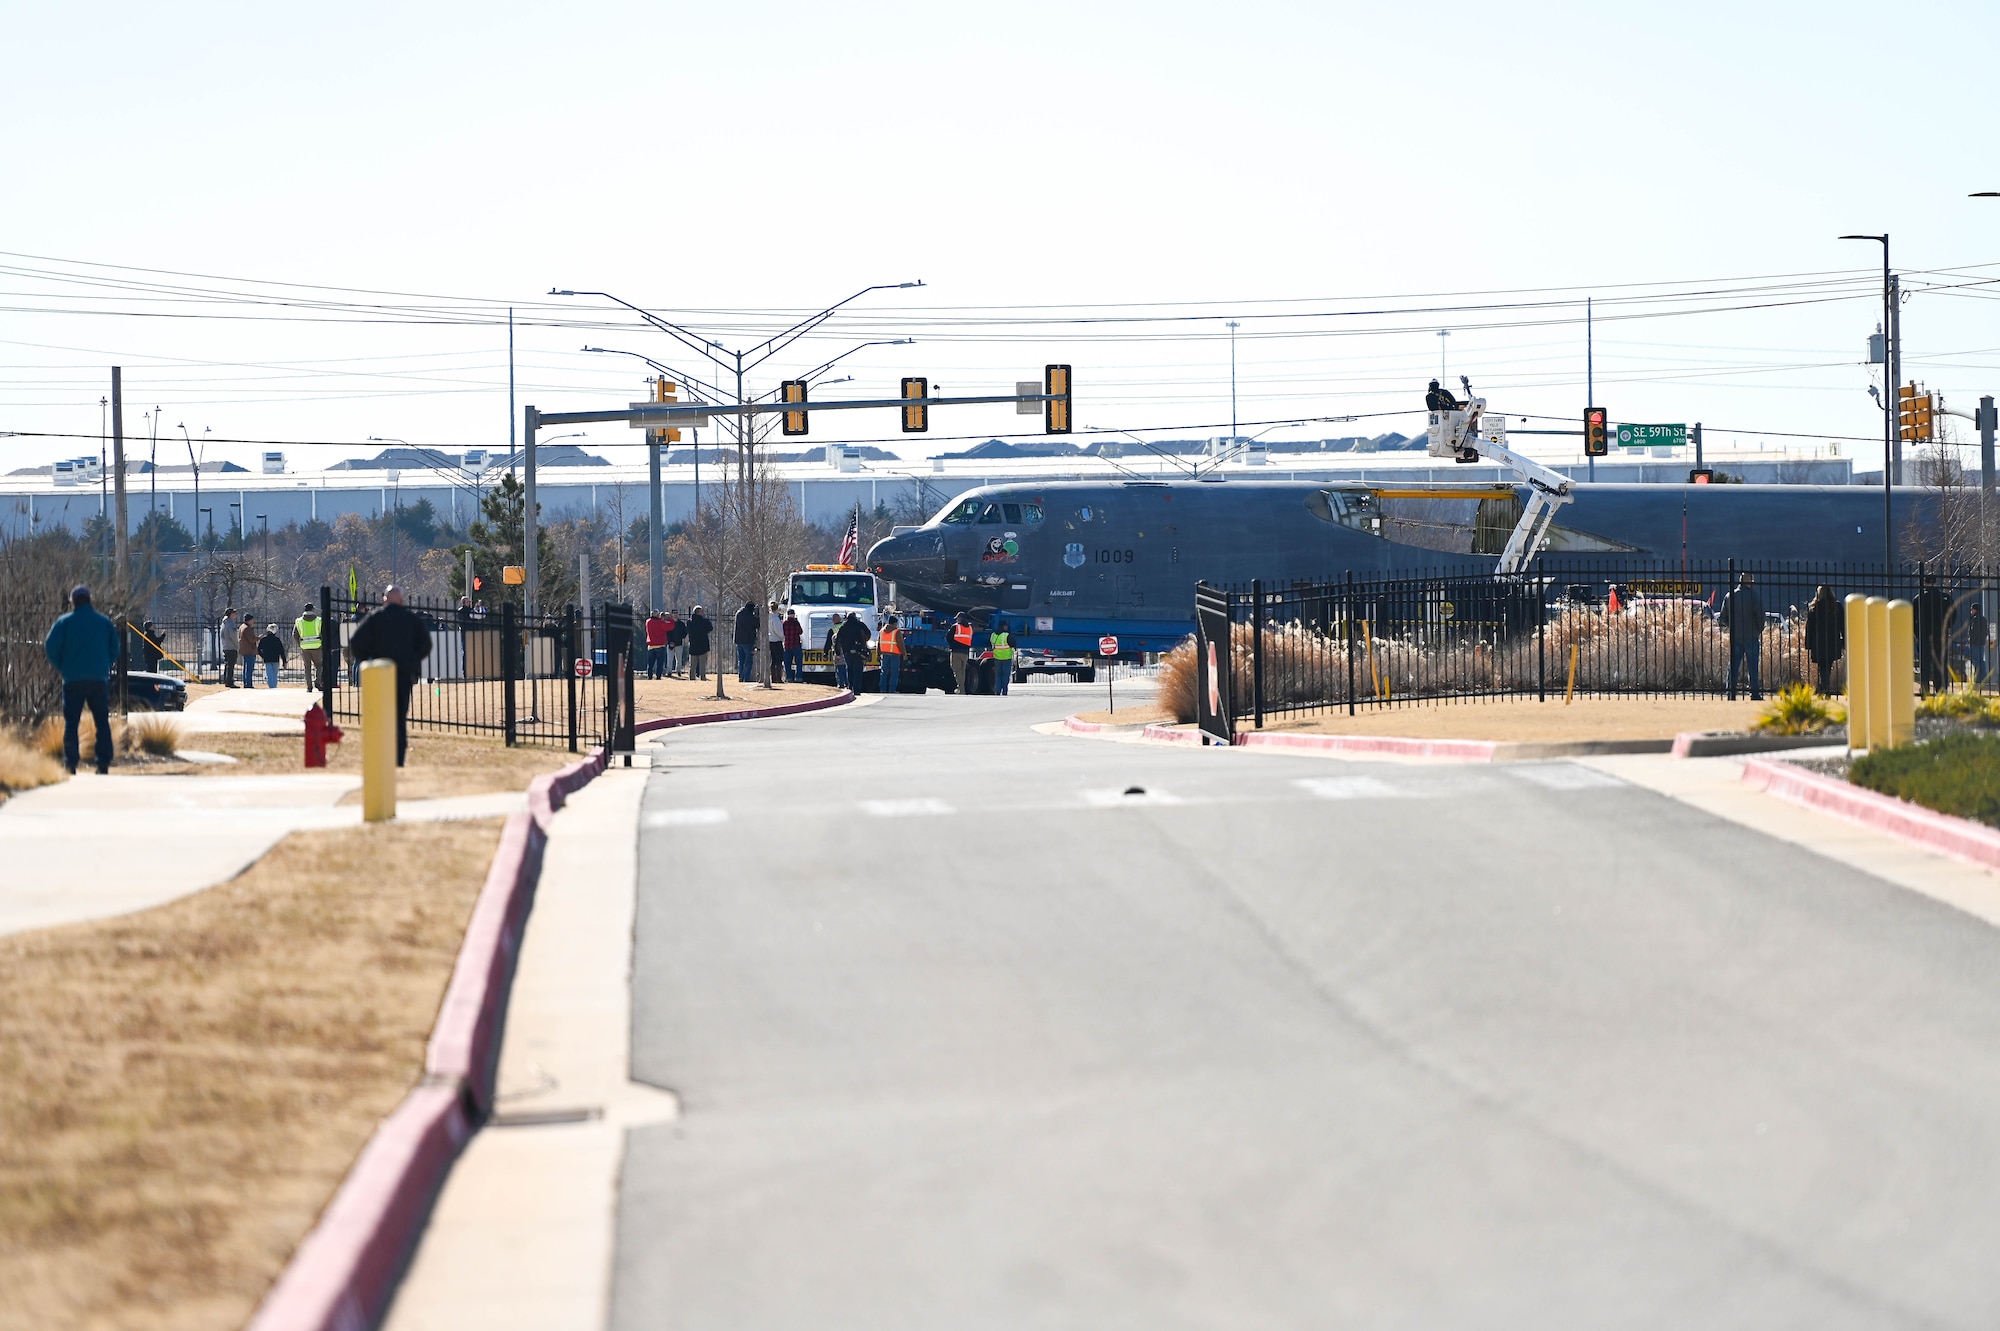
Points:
(851, 540)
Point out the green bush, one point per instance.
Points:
(1956, 774)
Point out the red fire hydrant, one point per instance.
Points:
(320, 732)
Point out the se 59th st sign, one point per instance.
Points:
(1652, 436)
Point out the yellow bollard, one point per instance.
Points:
(378, 741)
(1902, 673)
(1857, 671)
(1878, 673)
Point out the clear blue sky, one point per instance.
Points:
(733, 162)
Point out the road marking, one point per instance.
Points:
(1350, 788)
(1565, 776)
(916, 808)
(684, 817)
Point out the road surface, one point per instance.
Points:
(979, 1027)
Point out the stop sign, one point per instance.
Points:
(583, 667)
(1107, 646)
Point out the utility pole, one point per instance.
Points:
(1986, 424)
(656, 578)
(1233, 427)
(121, 551)
(1589, 375)
(1895, 354)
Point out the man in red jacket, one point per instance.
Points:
(656, 645)
(795, 648)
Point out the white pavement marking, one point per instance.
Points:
(522, 1235)
(684, 818)
(913, 808)
(1351, 788)
(1564, 776)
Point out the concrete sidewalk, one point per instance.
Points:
(97, 846)
(523, 1234)
(249, 712)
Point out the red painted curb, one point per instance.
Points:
(1960, 838)
(1460, 750)
(1083, 727)
(1171, 734)
(748, 714)
(344, 1273)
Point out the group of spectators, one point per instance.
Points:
(678, 644)
(242, 641)
(1945, 634)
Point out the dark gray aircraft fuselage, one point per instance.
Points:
(1130, 552)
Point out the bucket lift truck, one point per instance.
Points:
(1461, 432)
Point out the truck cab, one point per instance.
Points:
(823, 595)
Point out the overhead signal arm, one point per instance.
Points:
(1463, 434)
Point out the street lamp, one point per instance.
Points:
(1889, 354)
(738, 361)
(194, 464)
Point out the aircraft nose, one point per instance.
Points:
(911, 557)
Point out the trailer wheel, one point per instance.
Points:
(1084, 676)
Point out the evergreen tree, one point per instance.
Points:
(498, 540)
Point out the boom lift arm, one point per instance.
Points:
(1460, 431)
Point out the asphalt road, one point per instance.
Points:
(965, 1036)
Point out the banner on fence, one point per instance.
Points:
(1213, 713)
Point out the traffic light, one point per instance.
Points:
(1914, 413)
(663, 391)
(1596, 438)
(794, 390)
(916, 419)
(1055, 412)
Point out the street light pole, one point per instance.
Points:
(1889, 352)
(1233, 326)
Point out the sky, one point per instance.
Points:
(296, 226)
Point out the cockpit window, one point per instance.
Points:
(1031, 512)
(1013, 512)
(964, 513)
(989, 515)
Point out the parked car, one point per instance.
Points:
(154, 693)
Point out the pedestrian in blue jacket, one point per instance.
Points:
(83, 645)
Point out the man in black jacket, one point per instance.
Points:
(746, 641)
(851, 641)
(699, 627)
(394, 631)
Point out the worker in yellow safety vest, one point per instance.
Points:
(305, 631)
(1003, 657)
(890, 643)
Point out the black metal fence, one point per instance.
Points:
(551, 678)
(1617, 628)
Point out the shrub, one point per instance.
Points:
(150, 733)
(1797, 709)
(1963, 704)
(23, 765)
(1956, 774)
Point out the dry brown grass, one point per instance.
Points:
(152, 734)
(1653, 648)
(181, 1090)
(23, 765)
(1526, 721)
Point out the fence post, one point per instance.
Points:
(575, 656)
(329, 650)
(1347, 618)
(1541, 629)
(1729, 614)
(124, 663)
(510, 625)
(1257, 650)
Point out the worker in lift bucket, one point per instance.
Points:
(1439, 399)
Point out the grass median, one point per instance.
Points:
(182, 1090)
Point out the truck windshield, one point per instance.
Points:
(833, 589)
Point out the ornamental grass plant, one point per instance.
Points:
(1958, 774)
